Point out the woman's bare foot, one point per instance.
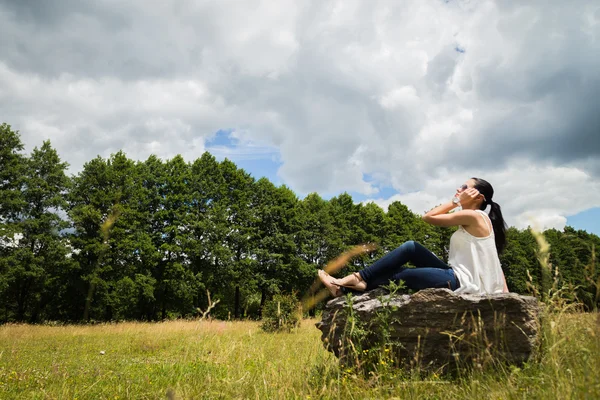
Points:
(327, 280)
(353, 281)
(360, 286)
(350, 280)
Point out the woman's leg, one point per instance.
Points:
(423, 278)
(383, 268)
(414, 278)
(354, 279)
(430, 271)
(391, 264)
(394, 262)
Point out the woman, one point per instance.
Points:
(473, 264)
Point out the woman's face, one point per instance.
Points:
(467, 185)
(470, 184)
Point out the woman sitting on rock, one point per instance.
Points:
(473, 263)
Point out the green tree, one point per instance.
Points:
(177, 285)
(239, 232)
(12, 167)
(206, 246)
(127, 282)
(519, 260)
(279, 267)
(93, 199)
(372, 228)
(401, 223)
(39, 259)
(110, 237)
(316, 230)
(345, 218)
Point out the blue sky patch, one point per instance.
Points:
(588, 220)
(257, 159)
(222, 138)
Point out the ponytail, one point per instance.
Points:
(499, 225)
(495, 213)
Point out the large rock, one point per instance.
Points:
(433, 328)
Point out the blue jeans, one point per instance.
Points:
(431, 272)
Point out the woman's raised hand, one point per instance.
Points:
(468, 196)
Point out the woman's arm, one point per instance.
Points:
(439, 216)
(441, 209)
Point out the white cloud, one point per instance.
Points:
(84, 117)
(405, 96)
(419, 95)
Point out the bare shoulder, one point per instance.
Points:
(468, 216)
(470, 213)
(476, 226)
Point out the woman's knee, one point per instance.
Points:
(408, 246)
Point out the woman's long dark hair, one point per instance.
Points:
(495, 213)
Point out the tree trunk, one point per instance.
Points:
(263, 298)
(35, 313)
(20, 309)
(236, 307)
(88, 301)
(22, 300)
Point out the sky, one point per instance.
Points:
(385, 100)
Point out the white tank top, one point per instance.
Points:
(475, 261)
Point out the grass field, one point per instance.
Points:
(216, 359)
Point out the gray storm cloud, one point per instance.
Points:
(408, 93)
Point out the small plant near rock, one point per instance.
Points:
(380, 355)
(281, 313)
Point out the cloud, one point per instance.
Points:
(349, 95)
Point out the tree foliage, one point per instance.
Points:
(145, 240)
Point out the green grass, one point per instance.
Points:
(215, 359)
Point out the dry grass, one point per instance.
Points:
(217, 359)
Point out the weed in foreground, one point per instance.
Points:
(282, 313)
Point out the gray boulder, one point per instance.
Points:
(433, 328)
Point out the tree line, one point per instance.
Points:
(149, 240)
